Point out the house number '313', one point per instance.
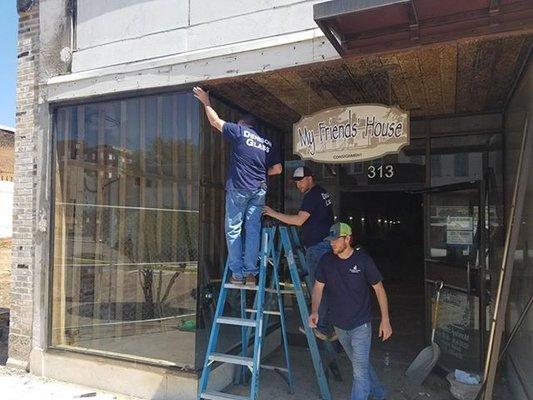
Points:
(383, 171)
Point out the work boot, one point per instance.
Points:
(250, 280)
(236, 281)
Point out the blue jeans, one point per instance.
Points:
(313, 254)
(356, 344)
(243, 207)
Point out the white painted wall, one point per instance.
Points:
(6, 210)
(114, 32)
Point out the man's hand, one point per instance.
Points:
(385, 330)
(268, 211)
(313, 320)
(201, 95)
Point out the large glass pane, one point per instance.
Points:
(458, 158)
(126, 228)
(453, 226)
(215, 162)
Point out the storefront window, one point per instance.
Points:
(126, 228)
(456, 159)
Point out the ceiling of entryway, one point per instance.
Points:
(467, 76)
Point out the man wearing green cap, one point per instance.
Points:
(345, 275)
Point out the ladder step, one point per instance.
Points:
(241, 287)
(274, 368)
(212, 395)
(231, 359)
(248, 287)
(282, 291)
(236, 321)
(251, 310)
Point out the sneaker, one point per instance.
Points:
(250, 280)
(322, 336)
(236, 281)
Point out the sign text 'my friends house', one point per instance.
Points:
(351, 133)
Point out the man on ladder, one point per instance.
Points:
(315, 217)
(253, 157)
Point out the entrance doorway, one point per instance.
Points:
(390, 226)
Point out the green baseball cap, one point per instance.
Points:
(337, 230)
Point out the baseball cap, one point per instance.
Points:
(301, 172)
(337, 230)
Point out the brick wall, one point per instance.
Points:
(20, 335)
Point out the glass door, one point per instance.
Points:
(456, 255)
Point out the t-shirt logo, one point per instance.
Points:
(327, 198)
(257, 141)
(354, 270)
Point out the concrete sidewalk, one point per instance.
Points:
(19, 385)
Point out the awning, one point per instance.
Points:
(365, 26)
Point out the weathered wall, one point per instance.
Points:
(20, 332)
(120, 31)
(148, 44)
(38, 60)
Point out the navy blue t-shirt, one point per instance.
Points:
(251, 157)
(347, 286)
(317, 202)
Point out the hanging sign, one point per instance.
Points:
(351, 133)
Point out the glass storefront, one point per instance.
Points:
(126, 220)
(139, 244)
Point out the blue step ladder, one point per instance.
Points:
(254, 321)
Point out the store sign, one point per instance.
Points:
(351, 133)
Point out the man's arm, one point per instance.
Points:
(315, 302)
(385, 329)
(212, 116)
(276, 169)
(298, 219)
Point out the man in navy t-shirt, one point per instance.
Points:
(345, 275)
(253, 157)
(315, 217)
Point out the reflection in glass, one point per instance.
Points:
(457, 330)
(457, 159)
(453, 226)
(126, 224)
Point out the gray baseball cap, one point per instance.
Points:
(301, 172)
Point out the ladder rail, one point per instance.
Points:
(304, 313)
(258, 340)
(213, 336)
(276, 242)
(281, 308)
(294, 238)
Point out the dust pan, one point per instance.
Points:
(423, 364)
